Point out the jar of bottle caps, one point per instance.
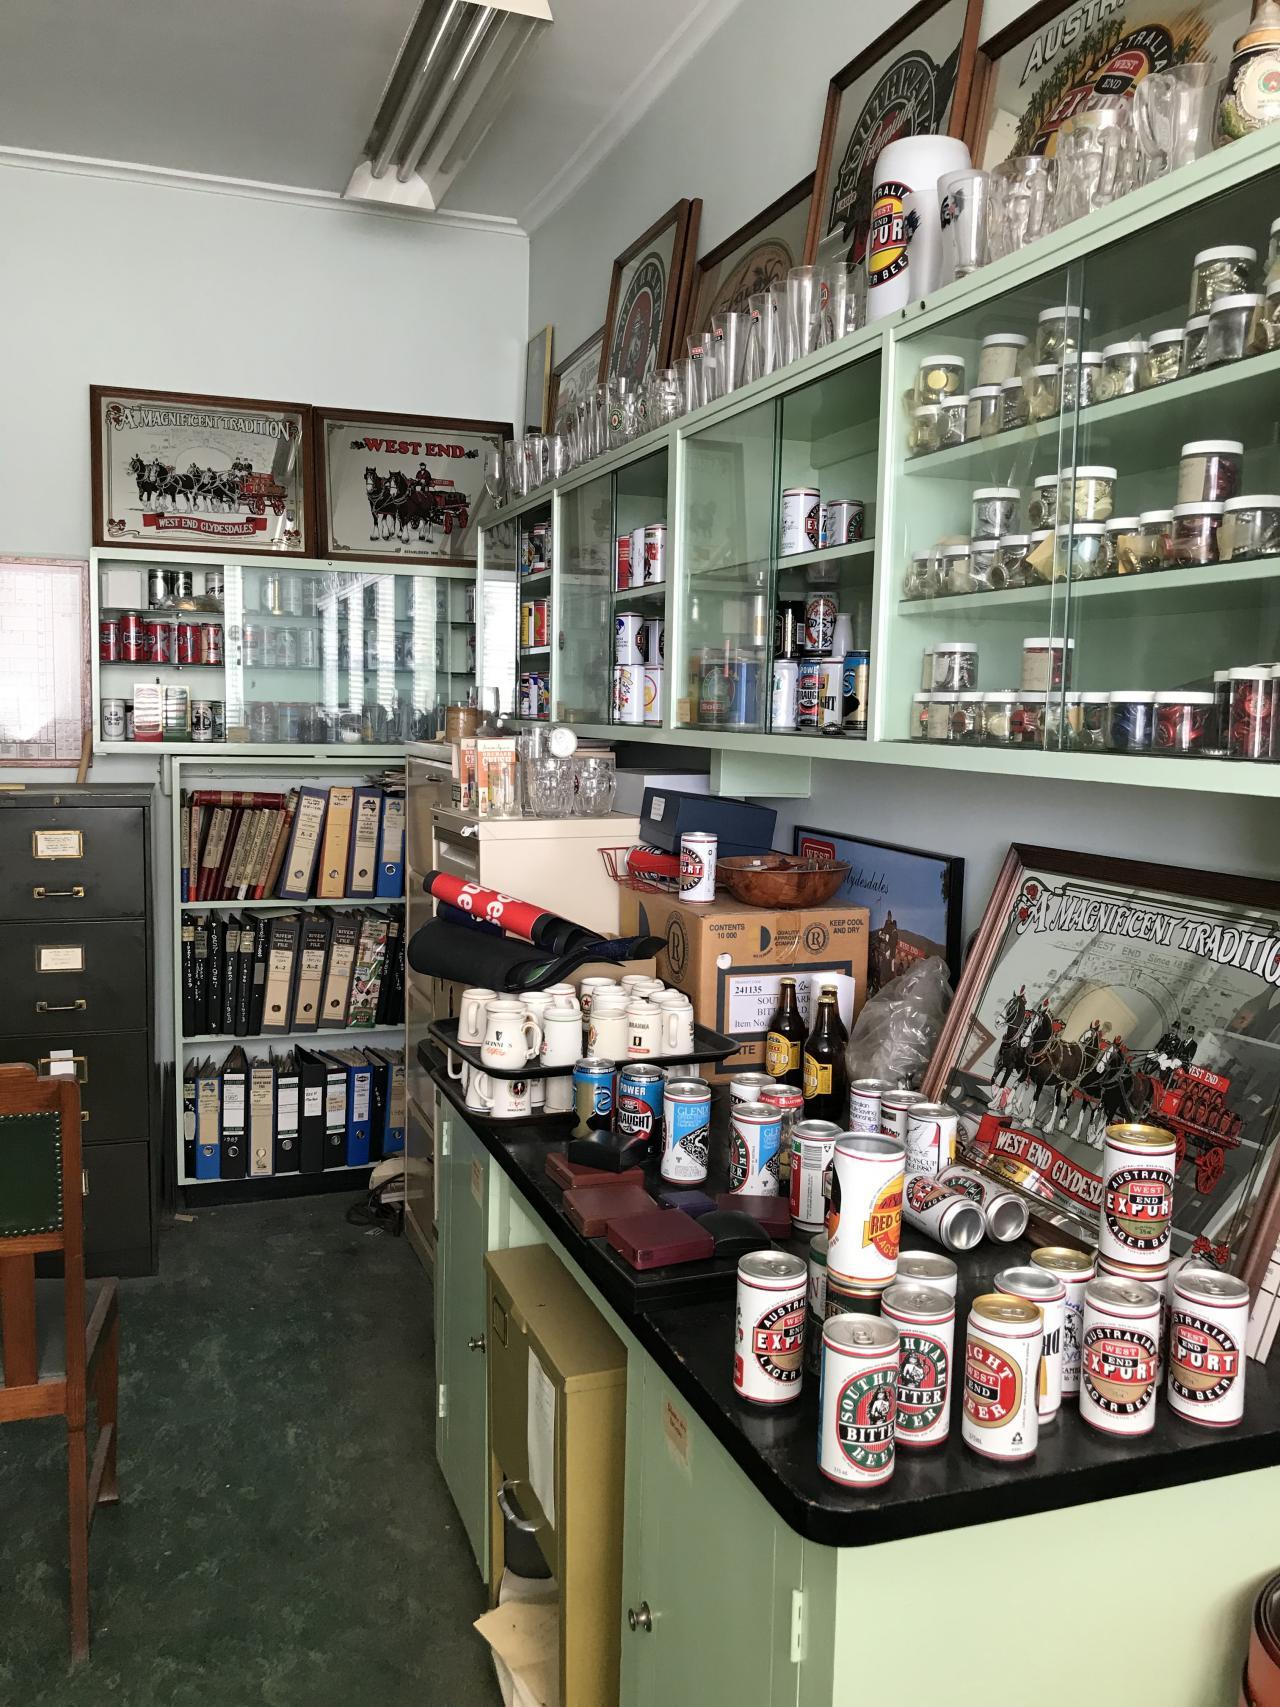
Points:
(1273, 253)
(1081, 379)
(1163, 360)
(1086, 720)
(938, 378)
(1087, 493)
(1123, 540)
(1029, 718)
(1042, 506)
(1046, 662)
(1184, 722)
(1014, 409)
(1252, 712)
(924, 429)
(1081, 550)
(926, 669)
(999, 357)
(1209, 470)
(983, 415)
(1250, 527)
(1121, 368)
(1230, 328)
(1222, 271)
(1013, 559)
(1267, 332)
(1059, 331)
(955, 666)
(953, 568)
(966, 717)
(1155, 539)
(985, 573)
(1044, 391)
(1195, 533)
(938, 726)
(1000, 727)
(918, 729)
(953, 420)
(1194, 336)
(1130, 720)
(993, 510)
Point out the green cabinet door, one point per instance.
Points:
(462, 1434)
(708, 1571)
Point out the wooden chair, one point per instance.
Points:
(53, 1357)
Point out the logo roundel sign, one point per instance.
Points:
(1139, 1206)
(1119, 1368)
(922, 1383)
(639, 320)
(1204, 1360)
(778, 1340)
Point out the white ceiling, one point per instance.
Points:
(285, 91)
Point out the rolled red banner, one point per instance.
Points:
(517, 918)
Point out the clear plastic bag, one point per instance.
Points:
(898, 1030)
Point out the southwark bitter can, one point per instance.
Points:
(858, 1400)
(1004, 1212)
(926, 1322)
(931, 1138)
(1001, 1363)
(1045, 1290)
(864, 1215)
(1075, 1269)
(1207, 1347)
(768, 1358)
(929, 1268)
(1138, 1164)
(815, 1303)
(942, 1212)
(1120, 1356)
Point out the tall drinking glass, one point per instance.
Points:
(729, 330)
(1173, 116)
(762, 355)
(802, 293)
(1022, 203)
(686, 385)
(962, 198)
(835, 314)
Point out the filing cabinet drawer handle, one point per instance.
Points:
(80, 1062)
(84, 1182)
(75, 893)
(84, 1116)
(76, 1007)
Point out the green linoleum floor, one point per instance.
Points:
(284, 1537)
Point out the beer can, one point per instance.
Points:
(1075, 1269)
(539, 546)
(219, 710)
(251, 644)
(1038, 1286)
(788, 629)
(638, 1109)
(109, 640)
(524, 706)
(187, 643)
(819, 624)
(182, 583)
(628, 682)
(856, 689)
(789, 1103)
(622, 562)
(843, 521)
(157, 586)
(130, 729)
(629, 635)
(592, 1095)
(1158, 1279)
(801, 519)
(289, 720)
(286, 648)
(270, 595)
(858, 1400)
(526, 622)
(815, 1303)
(931, 1138)
(813, 1145)
(831, 701)
(201, 720)
(290, 601)
(655, 646)
(131, 638)
(865, 1099)
(929, 1268)
(754, 1135)
(655, 554)
(942, 1212)
(1120, 1356)
(926, 1322)
(157, 640)
(1004, 1212)
(653, 693)
(808, 693)
(1207, 1347)
(749, 1087)
(541, 621)
(768, 1358)
(1001, 1365)
(214, 583)
(686, 1131)
(895, 1105)
(864, 1215)
(697, 866)
(211, 643)
(1138, 1166)
(535, 693)
(782, 697)
(113, 724)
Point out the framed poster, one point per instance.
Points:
(649, 295)
(45, 696)
(915, 899)
(762, 252)
(537, 382)
(914, 80)
(1103, 990)
(1060, 59)
(172, 469)
(574, 377)
(401, 486)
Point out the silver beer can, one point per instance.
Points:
(113, 724)
(782, 702)
(630, 637)
(628, 680)
(942, 1212)
(746, 1087)
(831, 694)
(801, 520)
(1075, 1269)
(931, 1138)
(866, 1097)
(1005, 1213)
(929, 1268)
(894, 1108)
(655, 555)
(1038, 1286)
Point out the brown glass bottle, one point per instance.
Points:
(784, 1041)
(826, 1077)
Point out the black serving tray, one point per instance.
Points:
(708, 1045)
(553, 1125)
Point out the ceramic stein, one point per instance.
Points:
(644, 1031)
(502, 1099)
(472, 1097)
(634, 983)
(588, 989)
(561, 996)
(537, 1002)
(561, 1038)
(511, 1033)
(607, 1031)
(471, 1016)
(677, 1026)
(560, 1094)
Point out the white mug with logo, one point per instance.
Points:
(561, 1038)
(511, 1033)
(644, 1031)
(588, 989)
(607, 1032)
(503, 1099)
(471, 1014)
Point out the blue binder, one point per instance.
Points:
(359, 1112)
(388, 1099)
(390, 882)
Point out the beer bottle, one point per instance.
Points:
(826, 1077)
(785, 1038)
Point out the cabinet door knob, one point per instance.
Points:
(476, 1343)
(640, 1617)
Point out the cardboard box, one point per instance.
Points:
(728, 959)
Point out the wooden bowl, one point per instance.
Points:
(780, 880)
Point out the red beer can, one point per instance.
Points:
(157, 640)
(211, 643)
(108, 640)
(131, 639)
(188, 647)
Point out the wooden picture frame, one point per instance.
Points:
(537, 381)
(44, 660)
(649, 290)
(907, 94)
(753, 257)
(575, 375)
(1133, 38)
(1073, 947)
(181, 470)
(372, 501)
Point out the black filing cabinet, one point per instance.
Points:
(77, 949)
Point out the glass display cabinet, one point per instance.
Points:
(533, 614)
(498, 598)
(195, 651)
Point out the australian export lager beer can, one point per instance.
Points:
(858, 1400)
(929, 1268)
(942, 1212)
(1075, 1269)
(815, 1304)
(1207, 1347)
(813, 1144)
(926, 1322)
(1039, 1287)
(1001, 1362)
(864, 1215)
(1004, 1212)
(895, 1106)
(1120, 1356)
(866, 1098)
(1158, 1280)
(686, 1131)
(768, 1357)
(755, 1133)
(931, 1138)
(1138, 1164)
(801, 519)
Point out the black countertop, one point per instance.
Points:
(949, 1487)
